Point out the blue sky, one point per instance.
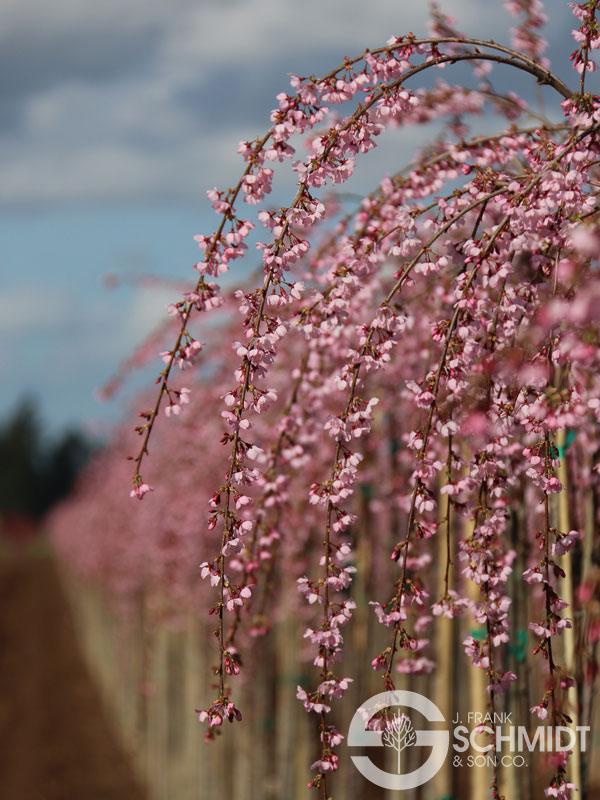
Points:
(115, 118)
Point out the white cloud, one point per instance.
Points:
(148, 308)
(22, 309)
(243, 32)
(74, 16)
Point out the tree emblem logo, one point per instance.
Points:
(398, 734)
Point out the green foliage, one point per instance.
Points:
(35, 473)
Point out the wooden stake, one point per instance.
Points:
(443, 678)
(478, 700)
(566, 562)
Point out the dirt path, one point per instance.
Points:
(55, 740)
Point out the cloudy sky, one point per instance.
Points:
(115, 117)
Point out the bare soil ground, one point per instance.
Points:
(55, 739)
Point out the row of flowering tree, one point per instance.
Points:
(438, 345)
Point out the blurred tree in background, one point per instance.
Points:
(36, 472)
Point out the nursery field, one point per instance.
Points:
(57, 743)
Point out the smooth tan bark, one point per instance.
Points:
(569, 635)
